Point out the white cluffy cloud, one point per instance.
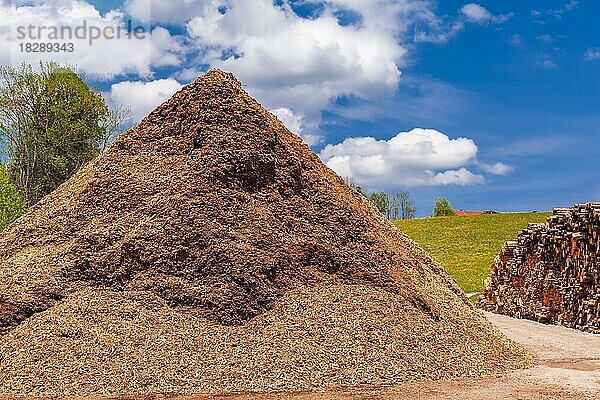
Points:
(345, 48)
(176, 12)
(593, 53)
(547, 64)
(100, 44)
(301, 63)
(295, 124)
(440, 31)
(291, 121)
(143, 97)
(480, 15)
(496, 168)
(420, 157)
(556, 12)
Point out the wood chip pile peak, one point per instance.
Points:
(550, 274)
(209, 250)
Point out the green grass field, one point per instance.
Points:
(466, 245)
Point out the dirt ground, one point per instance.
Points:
(567, 358)
(568, 367)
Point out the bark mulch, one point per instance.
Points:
(209, 251)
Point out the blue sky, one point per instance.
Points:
(542, 119)
(504, 94)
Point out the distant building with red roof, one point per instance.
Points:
(472, 212)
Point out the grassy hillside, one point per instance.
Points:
(466, 246)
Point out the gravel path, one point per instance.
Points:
(566, 357)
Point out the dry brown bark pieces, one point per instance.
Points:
(210, 250)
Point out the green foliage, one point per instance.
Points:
(395, 206)
(466, 246)
(442, 207)
(51, 123)
(12, 204)
(380, 201)
(401, 206)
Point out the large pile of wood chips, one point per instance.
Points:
(209, 250)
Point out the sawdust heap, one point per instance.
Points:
(209, 250)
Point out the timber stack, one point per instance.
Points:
(550, 274)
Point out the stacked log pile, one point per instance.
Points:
(550, 274)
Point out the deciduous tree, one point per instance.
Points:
(442, 207)
(12, 204)
(401, 206)
(51, 123)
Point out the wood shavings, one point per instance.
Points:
(209, 250)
